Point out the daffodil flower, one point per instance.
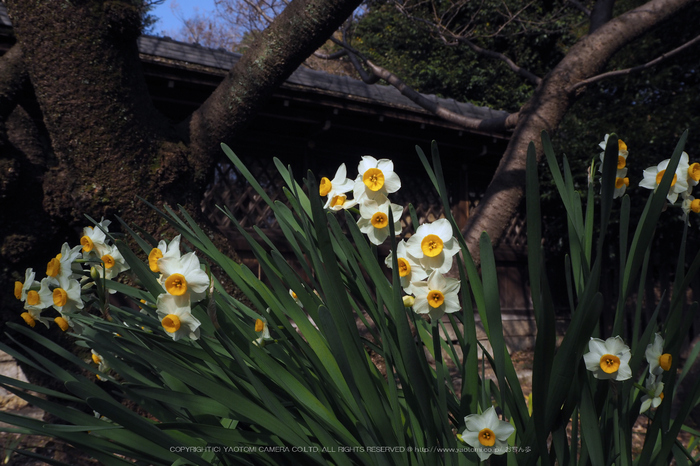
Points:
(94, 240)
(61, 265)
(176, 317)
(38, 300)
(262, 330)
(339, 201)
(338, 185)
(184, 276)
(693, 174)
(621, 183)
(374, 219)
(101, 364)
(375, 177)
(653, 176)
(655, 395)
(621, 154)
(657, 359)
(433, 245)
(296, 298)
(487, 434)
(437, 296)
(66, 297)
(410, 269)
(689, 204)
(608, 359)
(164, 251)
(114, 263)
(21, 289)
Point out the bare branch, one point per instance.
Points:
(330, 56)
(611, 74)
(367, 78)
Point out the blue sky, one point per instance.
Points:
(168, 21)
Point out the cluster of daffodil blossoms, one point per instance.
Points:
(69, 284)
(66, 279)
(686, 177)
(609, 360)
(423, 259)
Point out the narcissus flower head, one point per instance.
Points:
(655, 395)
(339, 184)
(176, 317)
(679, 184)
(437, 296)
(608, 359)
(164, 250)
(61, 265)
(375, 177)
(94, 240)
(410, 269)
(622, 153)
(183, 276)
(375, 215)
(434, 245)
(657, 359)
(487, 434)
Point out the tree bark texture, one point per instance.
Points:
(95, 140)
(546, 109)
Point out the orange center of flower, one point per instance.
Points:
(620, 182)
(18, 289)
(338, 200)
(33, 298)
(661, 175)
(435, 298)
(621, 162)
(171, 323)
(28, 319)
(695, 205)
(62, 323)
(373, 178)
(60, 297)
(108, 260)
(661, 395)
(53, 267)
(176, 284)
(621, 145)
(325, 186)
(431, 245)
(87, 243)
(609, 363)
(380, 220)
(487, 438)
(259, 325)
(694, 171)
(665, 361)
(153, 257)
(404, 267)
(96, 358)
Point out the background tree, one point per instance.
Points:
(79, 134)
(535, 60)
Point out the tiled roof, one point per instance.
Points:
(340, 85)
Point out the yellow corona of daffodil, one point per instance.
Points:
(487, 434)
(659, 362)
(176, 317)
(608, 359)
(679, 184)
(374, 219)
(410, 269)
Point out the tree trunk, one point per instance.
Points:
(100, 140)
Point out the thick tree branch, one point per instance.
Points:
(635, 69)
(500, 124)
(494, 124)
(547, 107)
(279, 50)
(13, 79)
